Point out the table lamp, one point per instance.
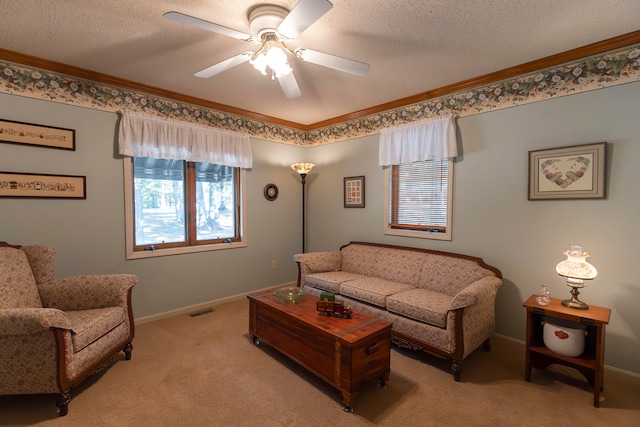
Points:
(576, 269)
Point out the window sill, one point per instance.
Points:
(417, 234)
(184, 250)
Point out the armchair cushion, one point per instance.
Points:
(89, 325)
(19, 288)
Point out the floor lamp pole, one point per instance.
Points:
(303, 176)
(303, 169)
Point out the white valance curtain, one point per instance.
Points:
(144, 135)
(431, 139)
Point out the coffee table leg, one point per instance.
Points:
(383, 379)
(347, 399)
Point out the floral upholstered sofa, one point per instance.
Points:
(439, 302)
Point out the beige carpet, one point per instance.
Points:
(204, 371)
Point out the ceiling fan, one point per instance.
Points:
(271, 26)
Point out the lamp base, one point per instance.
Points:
(574, 302)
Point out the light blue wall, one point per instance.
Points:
(89, 234)
(492, 217)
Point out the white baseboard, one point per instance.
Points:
(630, 376)
(199, 307)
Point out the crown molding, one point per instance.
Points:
(607, 63)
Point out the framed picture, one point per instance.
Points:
(576, 172)
(18, 184)
(43, 136)
(354, 192)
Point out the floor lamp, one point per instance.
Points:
(303, 169)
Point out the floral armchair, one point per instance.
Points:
(54, 333)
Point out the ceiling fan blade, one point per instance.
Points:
(303, 14)
(224, 65)
(331, 61)
(289, 86)
(206, 25)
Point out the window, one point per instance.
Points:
(418, 196)
(176, 206)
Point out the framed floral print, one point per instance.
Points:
(575, 172)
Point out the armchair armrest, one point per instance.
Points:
(18, 321)
(317, 262)
(477, 291)
(87, 292)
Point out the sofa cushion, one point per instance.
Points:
(42, 261)
(421, 304)
(400, 266)
(18, 287)
(89, 325)
(359, 258)
(331, 280)
(372, 289)
(449, 275)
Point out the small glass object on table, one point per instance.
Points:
(545, 296)
(290, 294)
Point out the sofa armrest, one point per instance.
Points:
(19, 321)
(477, 291)
(87, 292)
(318, 262)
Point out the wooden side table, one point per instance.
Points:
(590, 363)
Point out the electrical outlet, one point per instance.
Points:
(274, 264)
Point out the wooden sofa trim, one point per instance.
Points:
(65, 383)
(477, 260)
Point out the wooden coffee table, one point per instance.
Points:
(344, 352)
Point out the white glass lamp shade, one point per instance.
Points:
(576, 269)
(259, 62)
(576, 266)
(277, 61)
(303, 168)
(274, 58)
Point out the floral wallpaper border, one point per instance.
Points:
(613, 68)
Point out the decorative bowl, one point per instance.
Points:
(290, 294)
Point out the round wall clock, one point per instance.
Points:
(270, 192)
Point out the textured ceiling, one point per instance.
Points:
(412, 46)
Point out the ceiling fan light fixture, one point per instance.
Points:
(271, 54)
(277, 61)
(259, 62)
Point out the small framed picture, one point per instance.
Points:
(39, 135)
(18, 184)
(575, 172)
(354, 192)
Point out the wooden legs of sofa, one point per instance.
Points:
(63, 399)
(456, 366)
(62, 402)
(456, 370)
(127, 351)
